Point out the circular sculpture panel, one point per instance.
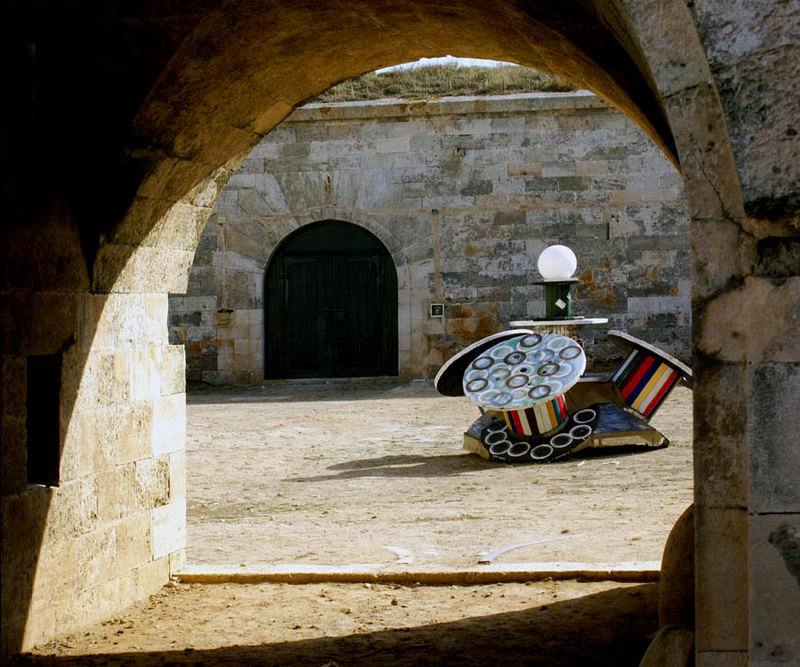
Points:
(520, 372)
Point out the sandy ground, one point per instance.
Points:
(547, 623)
(373, 475)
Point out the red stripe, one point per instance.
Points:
(661, 395)
(562, 407)
(517, 422)
(630, 386)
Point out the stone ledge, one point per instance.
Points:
(634, 571)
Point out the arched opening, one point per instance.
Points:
(330, 305)
(181, 118)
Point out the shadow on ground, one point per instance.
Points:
(413, 465)
(612, 628)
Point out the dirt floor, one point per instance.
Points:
(325, 625)
(372, 475)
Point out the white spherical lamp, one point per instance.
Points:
(557, 262)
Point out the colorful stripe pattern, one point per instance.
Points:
(645, 381)
(538, 419)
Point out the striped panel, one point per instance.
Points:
(636, 380)
(538, 419)
(624, 368)
(658, 399)
(655, 381)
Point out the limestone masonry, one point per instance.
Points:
(464, 193)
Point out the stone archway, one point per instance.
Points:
(168, 106)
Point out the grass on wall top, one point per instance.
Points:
(444, 81)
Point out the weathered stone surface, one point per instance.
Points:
(774, 541)
(460, 181)
(774, 454)
(676, 585)
(671, 647)
(722, 580)
(759, 321)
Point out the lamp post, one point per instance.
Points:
(556, 264)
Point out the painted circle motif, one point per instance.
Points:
(584, 416)
(581, 431)
(541, 452)
(561, 440)
(517, 381)
(519, 372)
(478, 384)
(483, 362)
(519, 449)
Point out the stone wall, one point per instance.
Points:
(110, 529)
(465, 193)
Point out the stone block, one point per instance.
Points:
(774, 580)
(625, 196)
(173, 363)
(133, 430)
(241, 347)
(720, 441)
(169, 528)
(134, 542)
(152, 483)
(772, 434)
(177, 562)
(97, 563)
(72, 511)
(526, 170)
(392, 145)
(721, 580)
(591, 168)
(732, 326)
(115, 490)
(169, 423)
(561, 168)
(177, 476)
(151, 577)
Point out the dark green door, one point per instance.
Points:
(331, 305)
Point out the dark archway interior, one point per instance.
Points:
(330, 299)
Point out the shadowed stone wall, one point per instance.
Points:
(465, 193)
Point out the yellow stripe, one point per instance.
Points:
(667, 377)
(551, 411)
(649, 386)
(509, 423)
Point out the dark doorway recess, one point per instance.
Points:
(330, 305)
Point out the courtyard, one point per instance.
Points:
(372, 476)
(369, 478)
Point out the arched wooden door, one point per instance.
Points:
(330, 305)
